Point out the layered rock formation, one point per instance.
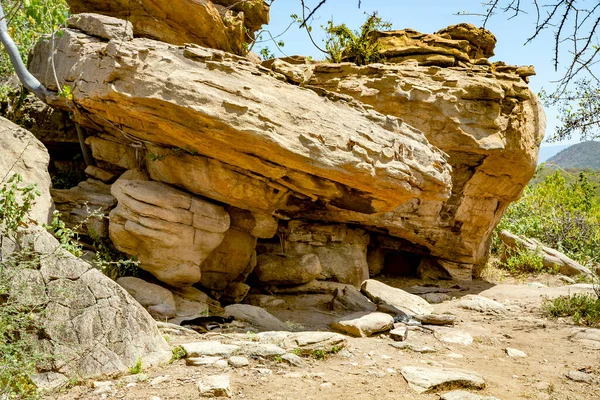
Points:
(221, 24)
(387, 163)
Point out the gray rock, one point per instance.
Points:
(413, 347)
(255, 316)
(363, 325)
(221, 364)
(147, 294)
(435, 298)
(204, 360)
(214, 386)
(102, 26)
(209, 348)
(399, 334)
(351, 299)
(293, 359)
(588, 337)
(162, 311)
(579, 376)
(409, 303)
(238, 361)
(515, 352)
(308, 342)
(25, 155)
(464, 395)
(436, 319)
(428, 379)
(266, 350)
(235, 292)
(455, 336)
(481, 304)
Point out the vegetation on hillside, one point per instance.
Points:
(584, 155)
(560, 214)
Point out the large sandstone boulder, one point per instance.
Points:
(220, 24)
(360, 150)
(170, 231)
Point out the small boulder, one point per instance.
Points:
(363, 325)
(351, 299)
(409, 303)
(147, 294)
(515, 352)
(102, 26)
(214, 386)
(255, 316)
(464, 395)
(399, 334)
(238, 361)
(209, 348)
(428, 379)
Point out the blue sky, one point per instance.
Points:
(427, 16)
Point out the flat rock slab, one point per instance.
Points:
(255, 316)
(411, 304)
(436, 319)
(266, 350)
(588, 337)
(209, 348)
(308, 342)
(579, 376)
(481, 304)
(428, 379)
(399, 334)
(198, 361)
(363, 325)
(414, 347)
(464, 395)
(454, 336)
(515, 353)
(214, 386)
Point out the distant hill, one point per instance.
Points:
(584, 155)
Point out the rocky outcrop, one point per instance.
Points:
(398, 166)
(221, 24)
(170, 231)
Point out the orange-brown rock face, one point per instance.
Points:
(219, 24)
(409, 158)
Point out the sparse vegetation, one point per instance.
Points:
(178, 353)
(583, 307)
(137, 368)
(523, 261)
(561, 215)
(358, 46)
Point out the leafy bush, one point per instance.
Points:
(561, 215)
(523, 261)
(584, 308)
(344, 44)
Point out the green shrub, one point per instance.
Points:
(564, 216)
(178, 353)
(344, 44)
(522, 261)
(584, 308)
(137, 368)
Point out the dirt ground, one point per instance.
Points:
(369, 368)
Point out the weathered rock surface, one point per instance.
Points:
(87, 206)
(349, 298)
(91, 324)
(255, 316)
(23, 154)
(481, 304)
(102, 26)
(427, 379)
(342, 251)
(209, 348)
(335, 153)
(215, 386)
(364, 324)
(409, 303)
(147, 294)
(220, 24)
(483, 116)
(281, 269)
(588, 337)
(170, 231)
